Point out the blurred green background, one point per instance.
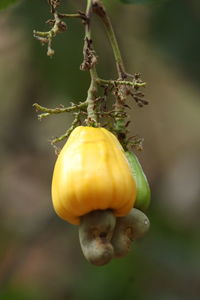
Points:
(40, 256)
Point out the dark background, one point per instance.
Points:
(40, 256)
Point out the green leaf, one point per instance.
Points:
(143, 1)
(6, 3)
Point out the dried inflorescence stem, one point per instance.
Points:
(57, 25)
(89, 62)
(99, 9)
(126, 85)
(76, 122)
(89, 55)
(58, 110)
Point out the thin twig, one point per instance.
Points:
(133, 83)
(58, 110)
(89, 64)
(74, 124)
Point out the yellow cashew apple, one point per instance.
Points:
(92, 173)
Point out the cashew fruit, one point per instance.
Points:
(92, 173)
(143, 194)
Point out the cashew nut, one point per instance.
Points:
(127, 229)
(95, 233)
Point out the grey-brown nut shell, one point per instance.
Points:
(129, 228)
(95, 233)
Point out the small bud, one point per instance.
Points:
(50, 52)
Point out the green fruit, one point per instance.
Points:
(143, 196)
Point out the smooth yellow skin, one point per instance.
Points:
(92, 173)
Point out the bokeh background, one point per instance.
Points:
(40, 256)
